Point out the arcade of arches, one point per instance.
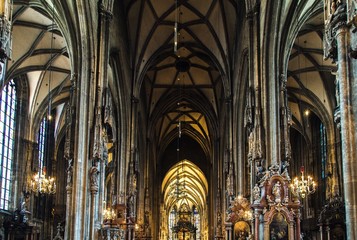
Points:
(181, 119)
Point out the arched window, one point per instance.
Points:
(325, 174)
(44, 140)
(197, 223)
(323, 146)
(41, 144)
(172, 221)
(7, 139)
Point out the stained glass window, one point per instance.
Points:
(7, 140)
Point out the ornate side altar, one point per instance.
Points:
(239, 219)
(276, 211)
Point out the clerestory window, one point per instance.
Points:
(7, 141)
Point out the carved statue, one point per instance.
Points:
(277, 192)
(337, 91)
(104, 142)
(94, 176)
(353, 12)
(333, 7)
(250, 144)
(249, 108)
(259, 171)
(337, 8)
(284, 168)
(264, 177)
(131, 205)
(69, 173)
(256, 193)
(230, 187)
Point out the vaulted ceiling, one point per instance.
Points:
(311, 77)
(183, 83)
(39, 53)
(184, 86)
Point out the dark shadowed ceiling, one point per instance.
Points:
(184, 88)
(182, 55)
(185, 85)
(39, 55)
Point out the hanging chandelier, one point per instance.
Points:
(109, 216)
(41, 184)
(303, 187)
(178, 188)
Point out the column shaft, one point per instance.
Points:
(348, 144)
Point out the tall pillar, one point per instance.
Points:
(337, 45)
(94, 186)
(256, 148)
(68, 154)
(68, 210)
(348, 141)
(229, 235)
(99, 158)
(321, 229)
(5, 36)
(257, 213)
(297, 219)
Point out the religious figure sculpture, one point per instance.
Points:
(277, 192)
(69, 173)
(256, 193)
(94, 177)
(250, 145)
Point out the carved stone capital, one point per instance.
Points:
(336, 21)
(5, 37)
(93, 176)
(108, 15)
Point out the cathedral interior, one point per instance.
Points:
(178, 119)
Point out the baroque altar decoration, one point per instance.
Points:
(239, 214)
(280, 209)
(184, 227)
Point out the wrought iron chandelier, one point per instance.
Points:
(303, 187)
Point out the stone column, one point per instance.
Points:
(285, 126)
(348, 144)
(256, 223)
(130, 231)
(266, 232)
(68, 154)
(291, 232)
(94, 186)
(68, 208)
(229, 166)
(337, 46)
(5, 36)
(229, 235)
(328, 232)
(298, 227)
(321, 231)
